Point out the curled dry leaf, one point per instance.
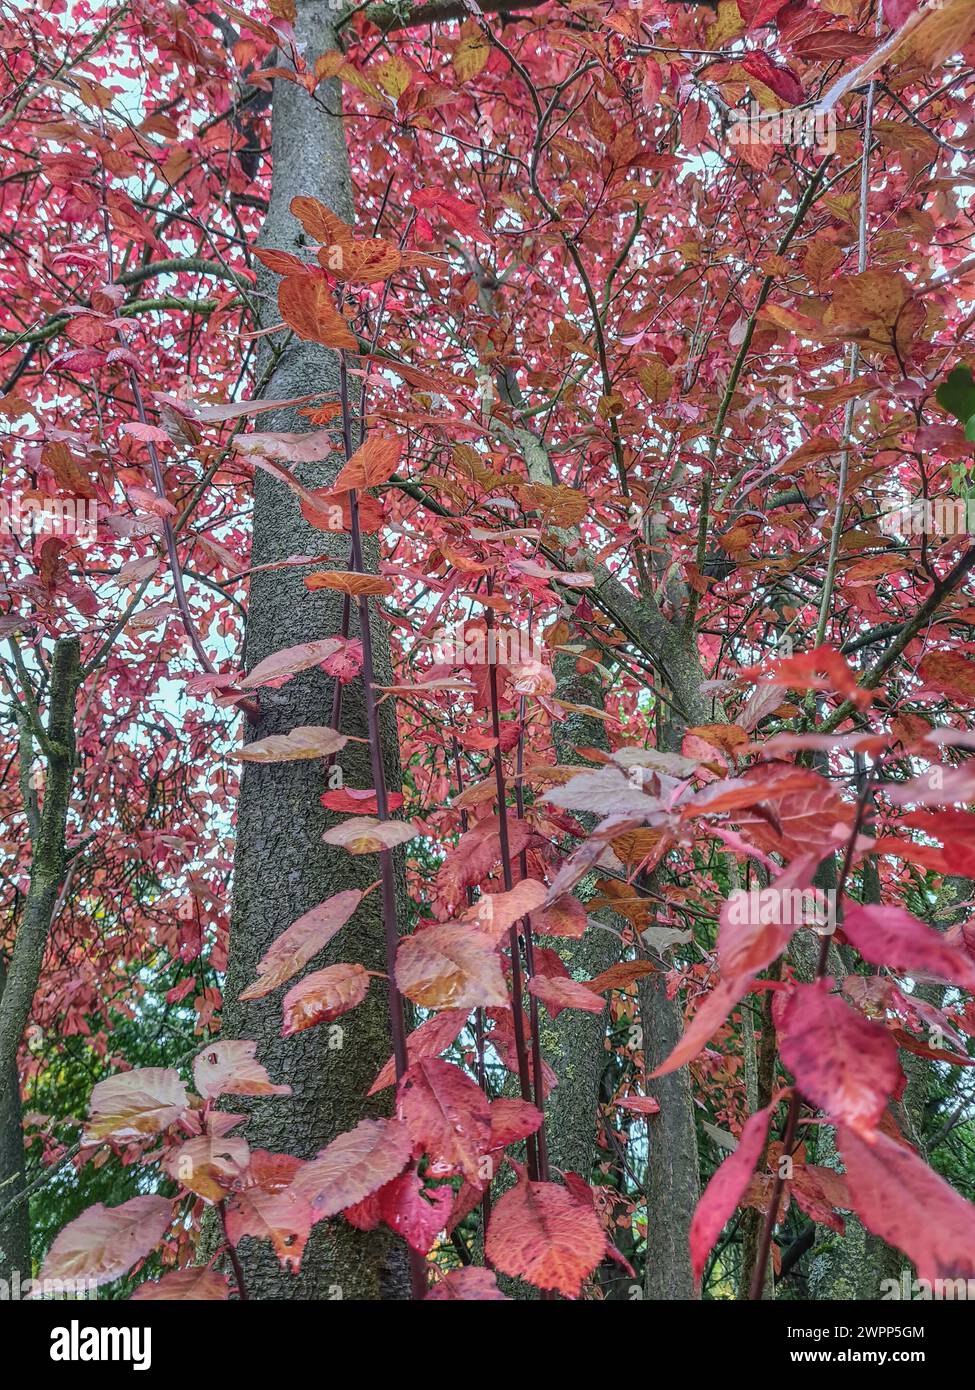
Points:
(367, 835)
(306, 741)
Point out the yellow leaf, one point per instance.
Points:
(471, 54)
(394, 76)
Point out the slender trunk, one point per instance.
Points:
(48, 859)
(281, 867)
(19, 979)
(673, 1180)
(573, 1043)
(15, 1223)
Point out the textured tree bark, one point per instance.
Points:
(673, 1183)
(48, 858)
(573, 1043)
(18, 982)
(281, 867)
(15, 1225)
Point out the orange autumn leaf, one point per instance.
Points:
(306, 305)
(349, 582)
(373, 463)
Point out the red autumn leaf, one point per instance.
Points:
(195, 1285)
(354, 1166)
(467, 1284)
(899, 1198)
(842, 1062)
(450, 967)
(512, 1120)
(281, 666)
(640, 1105)
(564, 917)
(306, 305)
(494, 913)
(322, 997)
(281, 262)
(756, 927)
(448, 1114)
(540, 1233)
(726, 1188)
(349, 800)
(890, 936)
(267, 1206)
(478, 850)
(620, 976)
(415, 1212)
(710, 1015)
(779, 79)
(557, 995)
(349, 582)
(432, 1037)
(371, 464)
(456, 212)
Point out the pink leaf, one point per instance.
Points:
(103, 1243)
(891, 936)
(841, 1061)
(899, 1198)
(726, 1188)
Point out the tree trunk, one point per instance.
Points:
(673, 1182)
(573, 1043)
(282, 869)
(48, 858)
(15, 1224)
